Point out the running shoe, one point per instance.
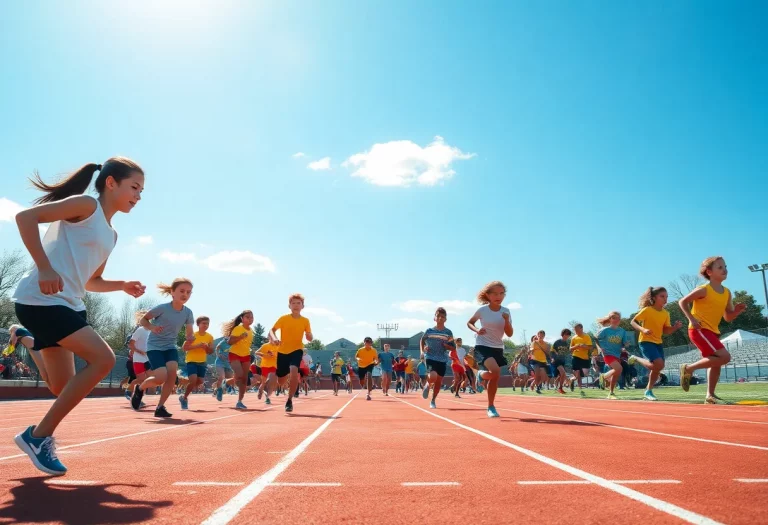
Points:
(632, 360)
(367, 397)
(42, 452)
(492, 412)
(289, 405)
(561, 390)
(457, 395)
(710, 400)
(432, 404)
(162, 412)
(538, 390)
(601, 381)
(136, 397)
(267, 401)
(240, 406)
(685, 378)
(183, 402)
(649, 396)
(717, 397)
(127, 395)
(219, 394)
(425, 391)
(612, 396)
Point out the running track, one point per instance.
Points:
(346, 460)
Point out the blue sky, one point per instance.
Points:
(578, 151)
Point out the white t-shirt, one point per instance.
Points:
(493, 322)
(139, 339)
(460, 353)
(307, 360)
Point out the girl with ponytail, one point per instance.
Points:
(240, 336)
(69, 261)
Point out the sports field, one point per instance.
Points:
(347, 460)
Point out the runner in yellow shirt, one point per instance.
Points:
(197, 353)
(581, 344)
(293, 329)
(336, 363)
(268, 354)
(367, 357)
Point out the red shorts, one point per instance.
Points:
(242, 358)
(458, 369)
(140, 368)
(266, 370)
(706, 341)
(609, 360)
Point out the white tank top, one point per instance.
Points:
(493, 322)
(76, 250)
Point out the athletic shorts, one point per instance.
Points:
(457, 369)
(550, 370)
(286, 361)
(652, 351)
(437, 367)
(577, 363)
(522, 370)
(159, 358)
(483, 353)
(705, 340)
(223, 364)
(196, 369)
(558, 363)
(266, 370)
(538, 365)
(50, 324)
(129, 369)
(336, 378)
(610, 359)
(363, 370)
(400, 374)
(241, 358)
(140, 368)
(386, 373)
(255, 370)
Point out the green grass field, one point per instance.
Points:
(739, 393)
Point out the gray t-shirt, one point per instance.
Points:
(171, 320)
(493, 322)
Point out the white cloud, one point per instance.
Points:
(236, 261)
(407, 326)
(9, 209)
(177, 257)
(452, 306)
(298, 155)
(361, 324)
(323, 312)
(404, 163)
(144, 239)
(514, 306)
(320, 165)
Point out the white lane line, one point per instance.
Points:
(230, 509)
(661, 505)
(73, 482)
(750, 480)
(124, 436)
(307, 484)
(208, 483)
(649, 413)
(431, 484)
(619, 481)
(630, 429)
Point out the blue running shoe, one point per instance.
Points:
(432, 404)
(240, 406)
(183, 402)
(42, 452)
(425, 391)
(648, 396)
(267, 401)
(219, 394)
(492, 412)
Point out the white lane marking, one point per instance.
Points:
(73, 482)
(124, 436)
(230, 509)
(661, 505)
(619, 481)
(209, 483)
(431, 484)
(307, 484)
(630, 429)
(750, 480)
(649, 413)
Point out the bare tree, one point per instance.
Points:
(101, 314)
(684, 284)
(125, 323)
(12, 267)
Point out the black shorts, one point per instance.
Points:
(50, 324)
(578, 363)
(363, 370)
(400, 374)
(286, 361)
(558, 362)
(539, 364)
(483, 353)
(335, 378)
(437, 367)
(130, 370)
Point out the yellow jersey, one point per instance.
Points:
(655, 321)
(539, 354)
(709, 310)
(269, 355)
(584, 339)
(366, 357)
(292, 330)
(198, 355)
(243, 347)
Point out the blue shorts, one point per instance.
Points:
(386, 372)
(652, 351)
(401, 374)
(158, 358)
(223, 364)
(196, 369)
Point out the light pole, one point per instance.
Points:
(762, 268)
(387, 328)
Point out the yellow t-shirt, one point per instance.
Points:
(243, 347)
(292, 331)
(538, 351)
(409, 366)
(198, 355)
(582, 353)
(337, 365)
(366, 357)
(267, 360)
(655, 321)
(709, 310)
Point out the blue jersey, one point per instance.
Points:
(612, 340)
(436, 341)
